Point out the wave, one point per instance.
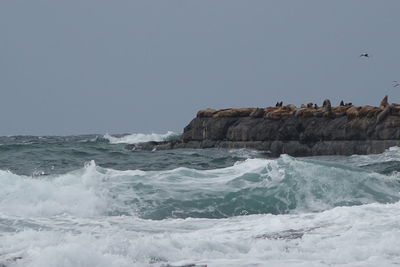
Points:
(253, 186)
(78, 193)
(387, 162)
(141, 138)
(297, 210)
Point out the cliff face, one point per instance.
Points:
(307, 131)
(300, 136)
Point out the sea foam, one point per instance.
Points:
(366, 235)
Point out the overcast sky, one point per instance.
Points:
(95, 66)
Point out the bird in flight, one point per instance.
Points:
(364, 55)
(396, 83)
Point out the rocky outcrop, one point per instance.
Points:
(307, 131)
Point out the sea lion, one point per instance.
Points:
(384, 102)
(327, 105)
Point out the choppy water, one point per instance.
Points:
(86, 201)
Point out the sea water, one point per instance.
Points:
(82, 201)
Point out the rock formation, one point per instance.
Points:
(306, 131)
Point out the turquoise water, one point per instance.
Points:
(87, 201)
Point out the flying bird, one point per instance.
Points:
(396, 83)
(364, 55)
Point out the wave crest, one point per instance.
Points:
(140, 138)
(77, 193)
(252, 186)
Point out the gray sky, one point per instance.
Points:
(95, 66)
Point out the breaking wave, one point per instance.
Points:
(299, 211)
(254, 186)
(140, 138)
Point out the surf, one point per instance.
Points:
(136, 138)
(252, 186)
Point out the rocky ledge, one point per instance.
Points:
(306, 131)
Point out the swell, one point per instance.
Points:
(252, 186)
(259, 186)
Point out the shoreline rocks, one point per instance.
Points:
(307, 131)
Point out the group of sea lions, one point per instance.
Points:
(307, 110)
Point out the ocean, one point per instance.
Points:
(83, 201)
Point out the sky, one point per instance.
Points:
(125, 66)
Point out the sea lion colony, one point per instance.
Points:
(307, 110)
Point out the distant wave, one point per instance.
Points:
(140, 138)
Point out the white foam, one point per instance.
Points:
(79, 193)
(139, 138)
(365, 235)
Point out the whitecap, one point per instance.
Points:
(140, 138)
(79, 192)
